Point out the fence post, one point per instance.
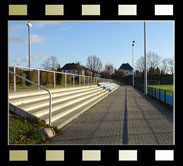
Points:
(84, 80)
(54, 80)
(88, 79)
(14, 79)
(165, 96)
(38, 78)
(65, 79)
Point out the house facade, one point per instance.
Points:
(76, 68)
(73, 68)
(127, 68)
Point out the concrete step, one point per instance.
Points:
(69, 109)
(56, 107)
(35, 99)
(42, 103)
(28, 93)
(67, 103)
(72, 114)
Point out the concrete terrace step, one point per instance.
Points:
(62, 100)
(67, 103)
(33, 99)
(65, 111)
(60, 107)
(63, 120)
(34, 92)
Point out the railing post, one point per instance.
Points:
(14, 79)
(38, 78)
(79, 81)
(65, 80)
(54, 79)
(73, 80)
(50, 109)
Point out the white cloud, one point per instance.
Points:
(16, 39)
(17, 27)
(44, 57)
(40, 24)
(37, 38)
(65, 28)
(34, 39)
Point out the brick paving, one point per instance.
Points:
(126, 116)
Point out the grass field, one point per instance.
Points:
(166, 87)
(169, 88)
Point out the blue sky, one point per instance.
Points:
(74, 41)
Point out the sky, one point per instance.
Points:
(74, 41)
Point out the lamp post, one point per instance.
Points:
(133, 44)
(145, 61)
(29, 42)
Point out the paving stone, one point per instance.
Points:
(127, 116)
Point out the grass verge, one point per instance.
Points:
(22, 131)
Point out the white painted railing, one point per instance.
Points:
(46, 89)
(88, 78)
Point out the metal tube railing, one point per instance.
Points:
(46, 89)
(87, 79)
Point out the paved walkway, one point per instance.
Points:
(125, 117)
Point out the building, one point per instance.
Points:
(127, 69)
(76, 68)
(73, 68)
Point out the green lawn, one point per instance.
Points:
(22, 131)
(166, 87)
(169, 88)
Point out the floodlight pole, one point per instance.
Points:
(29, 42)
(145, 61)
(133, 44)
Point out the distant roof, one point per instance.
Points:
(72, 66)
(125, 66)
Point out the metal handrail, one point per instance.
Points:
(24, 67)
(46, 89)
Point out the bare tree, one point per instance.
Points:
(51, 63)
(120, 73)
(109, 68)
(153, 60)
(171, 65)
(165, 67)
(140, 64)
(94, 63)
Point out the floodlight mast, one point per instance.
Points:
(145, 61)
(133, 44)
(29, 41)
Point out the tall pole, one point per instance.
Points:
(145, 61)
(29, 42)
(133, 43)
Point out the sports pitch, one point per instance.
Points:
(166, 87)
